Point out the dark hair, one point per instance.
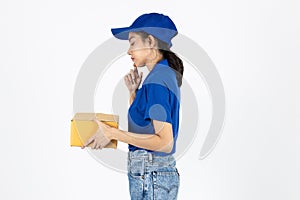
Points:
(174, 61)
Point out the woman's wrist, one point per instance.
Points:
(132, 92)
(113, 134)
(132, 97)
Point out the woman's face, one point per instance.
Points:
(139, 50)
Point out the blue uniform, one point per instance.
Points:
(157, 99)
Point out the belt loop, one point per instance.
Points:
(150, 157)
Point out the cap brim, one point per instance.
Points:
(123, 33)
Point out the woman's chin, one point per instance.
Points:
(138, 65)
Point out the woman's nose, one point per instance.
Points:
(129, 51)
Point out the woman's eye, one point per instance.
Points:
(132, 44)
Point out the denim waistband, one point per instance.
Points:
(150, 158)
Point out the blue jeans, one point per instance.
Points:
(152, 177)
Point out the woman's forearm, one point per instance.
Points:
(154, 142)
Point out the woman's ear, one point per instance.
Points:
(152, 41)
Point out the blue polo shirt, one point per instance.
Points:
(157, 99)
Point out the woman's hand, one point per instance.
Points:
(101, 138)
(133, 80)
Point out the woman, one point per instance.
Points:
(153, 116)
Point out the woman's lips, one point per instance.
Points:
(132, 59)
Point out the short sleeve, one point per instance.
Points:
(158, 105)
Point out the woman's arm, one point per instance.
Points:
(161, 141)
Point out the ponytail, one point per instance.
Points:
(175, 63)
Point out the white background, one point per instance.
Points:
(255, 46)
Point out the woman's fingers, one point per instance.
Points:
(133, 79)
(140, 77)
(97, 121)
(99, 140)
(136, 73)
(127, 82)
(136, 76)
(132, 72)
(132, 76)
(89, 141)
(94, 145)
(98, 145)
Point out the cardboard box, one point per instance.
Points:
(83, 127)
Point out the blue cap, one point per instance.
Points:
(158, 25)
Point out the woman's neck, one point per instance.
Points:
(151, 65)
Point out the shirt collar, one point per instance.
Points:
(161, 63)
